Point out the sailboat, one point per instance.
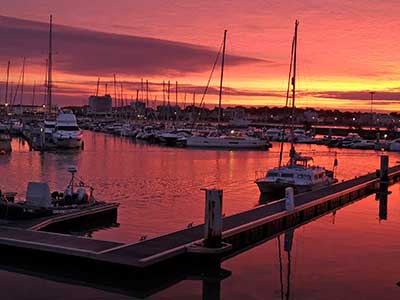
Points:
(217, 139)
(299, 173)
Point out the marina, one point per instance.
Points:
(177, 151)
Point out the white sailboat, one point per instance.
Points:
(218, 139)
(299, 173)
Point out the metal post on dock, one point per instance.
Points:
(384, 170)
(289, 199)
(213, 219)
(212, 242)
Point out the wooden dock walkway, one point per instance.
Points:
(239, 229)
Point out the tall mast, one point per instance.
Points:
(22, 84)
(50, 65)
(292, 150)
(163, 92)
(7, 79)
(98, 84)
(33, 94)
(221, 80)
(115, 89)
(45, 83)
(147, 93)
(176, 93)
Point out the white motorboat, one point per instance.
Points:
(67, 133)
(299, 174)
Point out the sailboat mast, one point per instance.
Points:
(97, 88)
(7, 80)
(50, 65)
(22, 84)
(33, 94)
(221, 80)
(292, 150)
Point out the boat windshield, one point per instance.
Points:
(68, 128)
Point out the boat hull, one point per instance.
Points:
(205, 142)
(68, 143)
(278, 188)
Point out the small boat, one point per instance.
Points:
(176, 137)
(5, 139)
(275, 134)
(67, 134)
(363, 145)
(394, 145)
(40, 202)
(49, 128)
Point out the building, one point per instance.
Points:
(100, 105)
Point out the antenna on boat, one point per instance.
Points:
(72, 170)
(50, 65)
(221, 79)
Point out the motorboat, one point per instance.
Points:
(67, 134)
(299, 173)
(40, 202)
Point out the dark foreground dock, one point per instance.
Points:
(169, 253)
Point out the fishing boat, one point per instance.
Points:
(299, 173)
(40, 202)
(67, 134)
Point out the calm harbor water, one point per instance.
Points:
(352, 254)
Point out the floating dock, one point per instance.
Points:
(171, 252)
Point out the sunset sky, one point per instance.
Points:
(346, 48)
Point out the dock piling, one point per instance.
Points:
(213, 219)
(384, 170)
(289, 199)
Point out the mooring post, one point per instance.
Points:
(384, 171)
(289, 198)
(213, 219)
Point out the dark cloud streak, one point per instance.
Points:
(85, 52)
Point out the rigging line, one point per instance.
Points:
(208, 84)
(280, 265)
(17, 89)
(287, 102)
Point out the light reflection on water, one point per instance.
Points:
(159, 187)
